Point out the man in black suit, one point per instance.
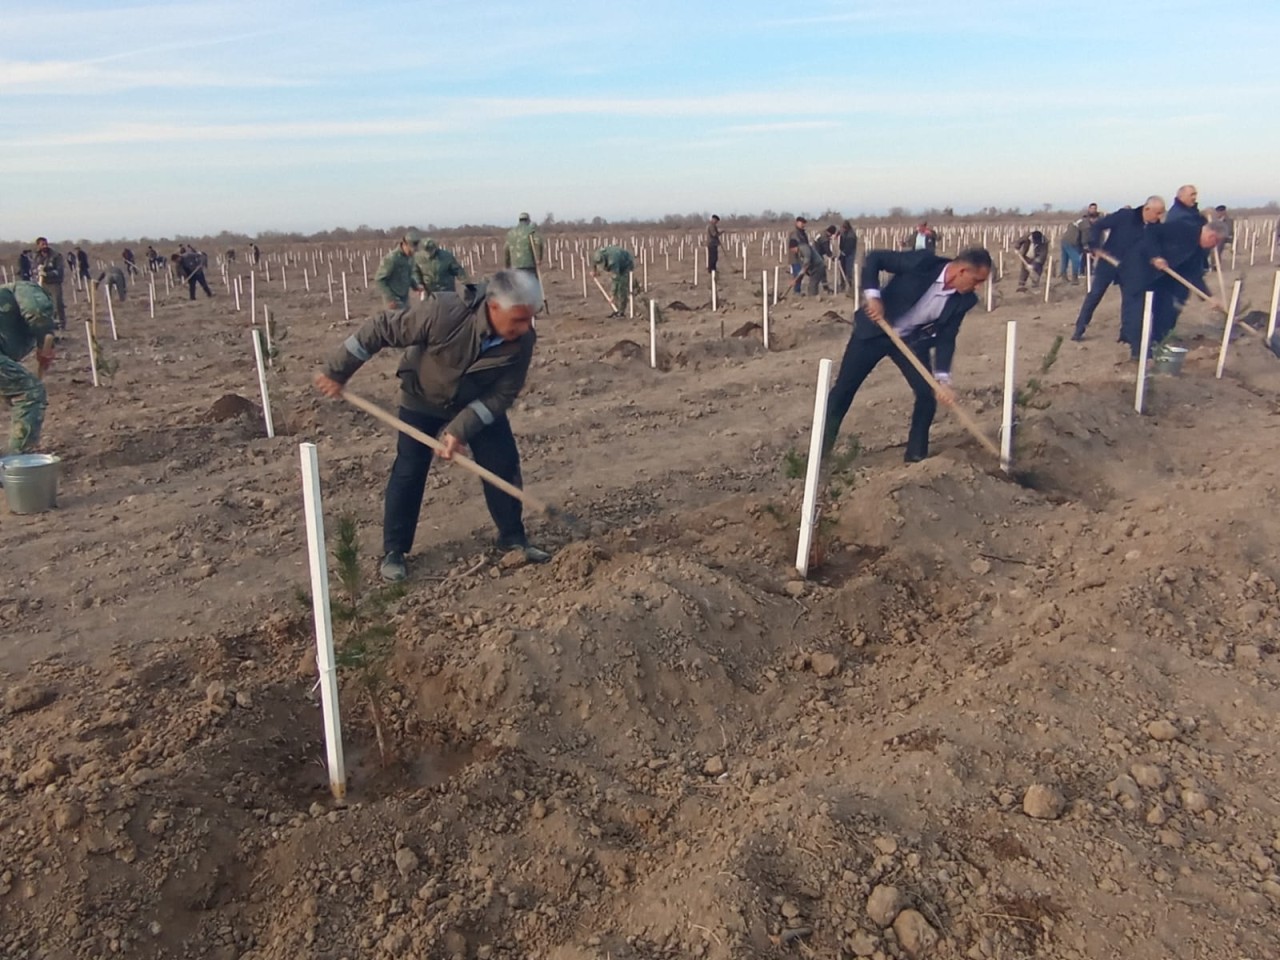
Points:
(1127, 228)
(924, 303)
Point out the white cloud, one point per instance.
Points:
(78, 77)
(221, 132)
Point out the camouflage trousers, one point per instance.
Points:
(54, 290)
(27, 400)
(622, 290)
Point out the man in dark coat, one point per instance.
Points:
(925, 303)
(1126, 228)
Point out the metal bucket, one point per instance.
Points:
(1169, 360)
(30, 481)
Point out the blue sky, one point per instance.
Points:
(124, 119)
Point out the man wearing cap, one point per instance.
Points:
(524, 247)
(800, 250)
(394, 277)
(26, 320)
(435, 269)
(713, 243)
(620, 263)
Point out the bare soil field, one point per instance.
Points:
(1001, 720)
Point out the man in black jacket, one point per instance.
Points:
(465, 362)
(924, 303)
(1127, 227)
(191, 269)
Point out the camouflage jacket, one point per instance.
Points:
(521, 242)
(26, 318)
(614, 259)
(395, 277)
(436, 271)
(446, 371)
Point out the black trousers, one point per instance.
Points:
(1104, 275)
(713, 257)
(1133, 303)
(198, 277)
(494, 448)
(860, 358)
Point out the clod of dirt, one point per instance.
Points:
(1162, 730)
(914, 934)
(1043, 802)
(25, 697)
(884, 905)
(229, 406)
(1148, 776)
(679, 305)
(714, 767)
(825, 664)
(747, 329)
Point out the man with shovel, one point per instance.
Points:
(26, 324)
(465, 362)
(394, 278)
(924, 304)
(620, 263)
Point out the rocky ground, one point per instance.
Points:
(1007, 717)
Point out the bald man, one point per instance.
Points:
(1125, 230)
(1184, 254)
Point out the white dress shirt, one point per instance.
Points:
(925, 311)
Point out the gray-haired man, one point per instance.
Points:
(465, 362)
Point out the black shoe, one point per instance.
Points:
(393, 567)
(913, 456)
(531, 553)
(1077, 336)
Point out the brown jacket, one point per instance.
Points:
(444, 372)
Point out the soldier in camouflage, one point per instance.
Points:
(620, 263)
(395, 276)
(49, 270)
(26, 319)
(435, 269)
(524, 247)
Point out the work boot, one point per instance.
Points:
(393, 567)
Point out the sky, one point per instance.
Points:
(124, 120)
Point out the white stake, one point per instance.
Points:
(631, 295)
(764, 299)
(1048, 279)
(584, 279)
(1142, 355)
(266, 332)
(364, 267)
(325, 661)
(1275, 301)
(809, 511)
(306, 279)
(1088, 273)
(695, 266)
(775, 293)
(644, 263)
(990, 291)
(253, 296)
(151, 296)
(262, 381)
(111, 311)
(93, 352)
(236, 287)
(331, 287)
(1226, 333)
(346, 308)
(713, 291)
(1010, 392)
(653, 334)
(284, 279)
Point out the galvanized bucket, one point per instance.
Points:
(30, 481)
(1169, 360)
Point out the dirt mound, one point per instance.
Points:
(679, 305)
(230, 406)
(710, 351)
(630, 353)
(750, 328)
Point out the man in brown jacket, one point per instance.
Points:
(465, 362)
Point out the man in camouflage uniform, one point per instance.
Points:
(49, 270)
(799, 251)
(713, 243)
(26, 319)
(620, 263)
(435, 269)
(395, 276)
(524, 247)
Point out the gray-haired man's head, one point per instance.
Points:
(513, 297)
